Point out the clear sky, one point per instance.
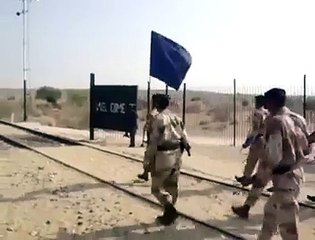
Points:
(257, 42)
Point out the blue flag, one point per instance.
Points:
(169, 61)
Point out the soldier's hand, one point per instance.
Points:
(281, 169)
(311, 138)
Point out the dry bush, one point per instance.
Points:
(245, 103)
(142, 104)
(214, 127)
(11, 98)
(310, 103)
(73, 117)
(204, 122)
(175, 106)
(77, 99)
(194, 99)
(9, 107)
(6, 109)
(195, 107)
(220, 114)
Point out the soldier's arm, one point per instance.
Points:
(256, 121)
(155, 137)
(274, 140)
(276, 137)
(304, 126)
(183, 133)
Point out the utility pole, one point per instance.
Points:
(24, 12)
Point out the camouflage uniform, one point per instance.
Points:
(165, 155)
(311, 140)
(264, 174)
(148, 126)
(282, 148)
(255, 153)
(256, 149)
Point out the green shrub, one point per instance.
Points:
(50, 94)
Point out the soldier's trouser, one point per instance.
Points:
(167, 180)
(148, 137)
(133, 137)
(253, 196)
(281, 210)
(263, 176)
(254, 154)
(146, 165)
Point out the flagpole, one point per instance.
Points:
(149, 82)
(148, 108)
(149, 95)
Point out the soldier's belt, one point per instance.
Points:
(168, 147)
(273, 189)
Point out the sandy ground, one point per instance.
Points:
(40, 199)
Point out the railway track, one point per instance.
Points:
(68, 141)
(57, 140)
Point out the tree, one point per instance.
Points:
(49, 94)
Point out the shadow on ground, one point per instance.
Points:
(182, 230)
(54, 191)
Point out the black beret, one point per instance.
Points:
(275, 94)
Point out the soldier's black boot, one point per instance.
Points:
(144, 176)
(169, 216)
(311, 198)
(242, 211)
(245, 181)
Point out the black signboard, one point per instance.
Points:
(112, 106)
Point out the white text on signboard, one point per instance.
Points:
(112, 107)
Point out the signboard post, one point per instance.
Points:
(112, 107)
(92, 83)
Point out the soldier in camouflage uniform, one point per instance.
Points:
(263, 174)
(311, 140)
(148, 127)
(282, 152)
(254, 140)
(165, 153)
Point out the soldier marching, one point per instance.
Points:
(163, 157)
(148, 127)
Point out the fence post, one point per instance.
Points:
(304, 96)
(166, 89)
(234, 112)
(92, 106)
(184, 104)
